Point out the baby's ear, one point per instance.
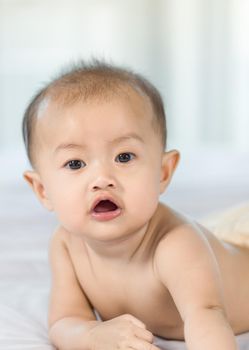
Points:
(169, 163)
(35, 182)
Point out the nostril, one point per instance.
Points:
(101, 186)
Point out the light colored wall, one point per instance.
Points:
(196, 52)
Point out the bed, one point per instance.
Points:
(201, 187)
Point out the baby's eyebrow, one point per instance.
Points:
(74, 146)
(127, 137)
(68, 146)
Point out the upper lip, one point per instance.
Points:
(104, 197)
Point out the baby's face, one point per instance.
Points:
(100, 164)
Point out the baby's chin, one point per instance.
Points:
(110, 231)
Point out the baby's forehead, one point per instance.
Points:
(96, 120)
(43, 106)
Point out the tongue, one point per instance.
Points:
(104, 206)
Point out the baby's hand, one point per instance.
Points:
(123, 332)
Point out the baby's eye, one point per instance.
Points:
(75, 164)
(124, 157)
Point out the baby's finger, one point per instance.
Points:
(138, 344)
(134, 320)
(144, 334)
(154, 347)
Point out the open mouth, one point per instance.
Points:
(105, 206)
(105, 210)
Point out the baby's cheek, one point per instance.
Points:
(144, 200)
(64, 202)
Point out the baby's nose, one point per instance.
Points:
(103, 182)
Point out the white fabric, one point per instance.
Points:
(22, 317)
(242, 342)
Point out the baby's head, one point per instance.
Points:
(96, 137)
(97, 82)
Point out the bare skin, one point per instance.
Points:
(113, 287)
(145, 268)
(114, 290)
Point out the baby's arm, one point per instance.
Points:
(187, 266)
(72, 323)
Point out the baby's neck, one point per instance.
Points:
(122, 249)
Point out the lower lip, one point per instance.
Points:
(106, 216)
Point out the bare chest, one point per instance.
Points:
(134, 290)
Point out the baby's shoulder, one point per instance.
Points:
(169, 222)
(66, 249)
(176, 231)
(60, 237)
(58, 245)
(70, 242)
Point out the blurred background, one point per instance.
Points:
(195, 51)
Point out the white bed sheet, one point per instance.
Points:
(25, 229)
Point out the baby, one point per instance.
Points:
(96, 138)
